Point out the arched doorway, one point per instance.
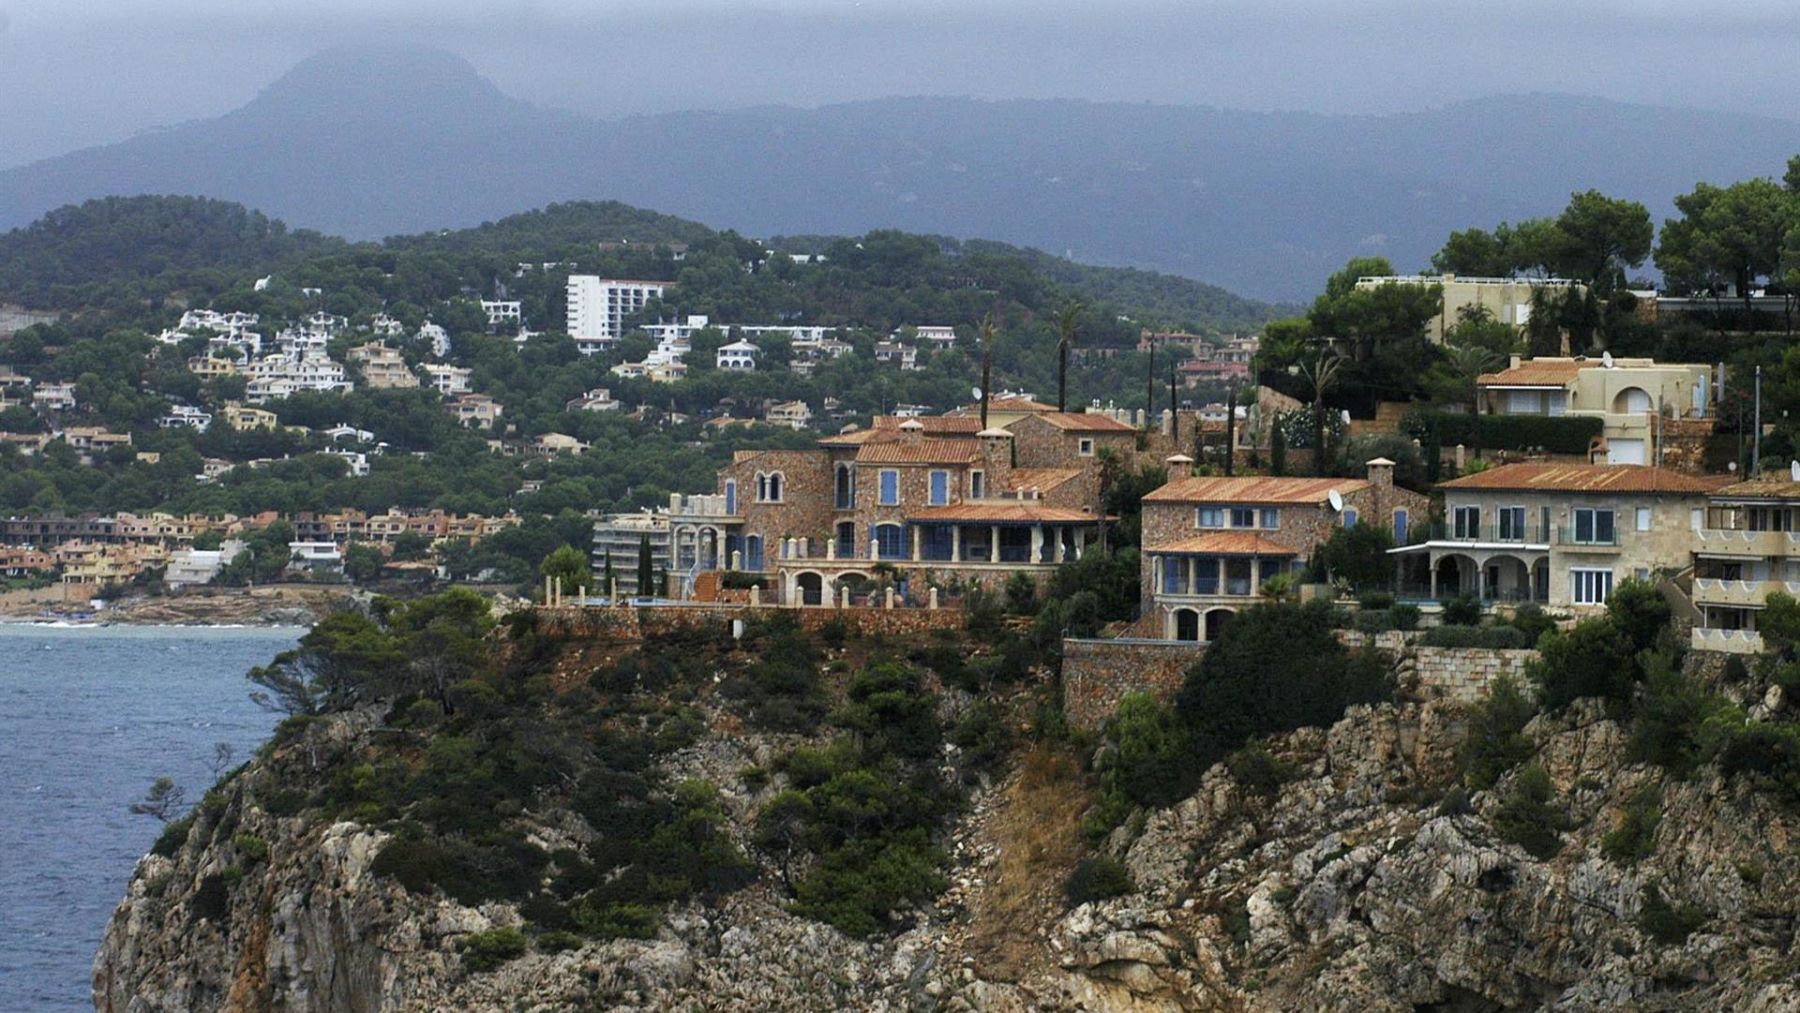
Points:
(1216, 621)
(811, 587)
(1455, 574)
(1631, 401)
(1186, 624)
(1505, 578)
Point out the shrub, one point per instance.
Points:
(1404, 616)
(1490, 637)
(1528, 818)
(1098, 878)
(1258, 772)
(1677, 722)
(1668, 924)
(174, 835)
(251, 848)
(485, 951)
(1592, 660)
(1462, 610)
(1021, 595)
(1639, 610)
(1375, 601)
(1766, 752)
(1496, 742)
(212, 899)
(1356, 555)
(1634, 837)
(1531, 620)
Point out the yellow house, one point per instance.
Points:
(1635, 399)
(1508, 300)
(243, 417)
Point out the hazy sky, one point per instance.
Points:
(78, 72)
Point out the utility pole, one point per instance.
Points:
(1150, 387)
(1230, 428)
(1174, 411)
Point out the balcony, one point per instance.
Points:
(1728, 641)
(1486, 533)
(1733, 542)
(1738, 593)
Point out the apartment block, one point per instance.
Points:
(598, 308)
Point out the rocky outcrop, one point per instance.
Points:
(1362, 883)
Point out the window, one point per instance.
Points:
(1085, 447)
(977, 484)
(768, 487)
(1590, 587)
(1270, 518)
(846, 487)
(1350, 518)
(1468, 521)
(1243, 517)
(1643, 518)
(753, 552)
(890, 487)
(731, 496)
(890, 541)
(1512, 523)
(1206, 575)
(1175, 578)
(1210, 517)
(1593, 527)
(940, 488)
(1400, 519)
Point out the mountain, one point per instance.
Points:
(368, 143)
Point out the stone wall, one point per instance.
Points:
(1098, 673)
(1464, 673)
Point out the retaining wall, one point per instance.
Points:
(635, 623)
(1097, 674)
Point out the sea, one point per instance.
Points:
(89, 717)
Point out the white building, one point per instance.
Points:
(936, 337)
(358, 462)
(437, 337)
(793, 414)
(54, 396)
(739, 356)
(316, 556)
(502, 314)
(199, 566)
(278, 376)
(598, 308)
(599, 399)
(186, 415)
(385, 326)
(448, 380)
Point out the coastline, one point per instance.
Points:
(268, 606)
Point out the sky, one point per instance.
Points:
(80, 72)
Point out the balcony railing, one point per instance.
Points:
(1489, 533)
(1729, 641)
(1738, 542)
(1739, 593)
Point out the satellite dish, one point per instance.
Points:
(975, 392)
(1606, 359)
(1336, 499)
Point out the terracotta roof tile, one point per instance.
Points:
(925, 451)
(1226, 543)
(1535, 373)
(1766, 487)
(1041, 479)
(1002, 511)
(1086, 422)
(1594, 478)
(932, 423)
(1253, 489)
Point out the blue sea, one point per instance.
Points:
(89, 716)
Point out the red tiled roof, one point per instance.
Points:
(1226, 543)
(1534, 373)
(1597, 478)
(1041, 479)
(1086, 422)
(1006, 404)
(1001, 511)
(932, 423)
(925, 451)
(1253, 489)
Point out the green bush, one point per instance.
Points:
(1462, 610)
(1490, 637)
(485, 951)
(1496, 742)
(1595, 659)
(174, 835)
(1258, 772)
(1375, 601)
(1557, 434)
(1634, 837)
(251, 848)
(1404, 616)
(1097, 878)
(1531, 620)
(212, 899)
(1668, 924)
(1528, 817)
(1677, 723)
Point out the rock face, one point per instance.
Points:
(1354, 886)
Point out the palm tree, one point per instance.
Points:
(1320, 374)
(1065, 340)
(1468, 363)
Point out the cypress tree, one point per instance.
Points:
(646, 567)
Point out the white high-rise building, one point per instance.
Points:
(598, 308)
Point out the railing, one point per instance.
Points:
(1729, 641)
(1486, 531)
(1720, 591)
(1748, 543)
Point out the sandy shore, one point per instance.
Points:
(278, 605)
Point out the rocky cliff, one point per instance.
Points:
(1356, 880)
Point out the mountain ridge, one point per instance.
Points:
(1262, 203)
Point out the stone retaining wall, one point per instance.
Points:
(1098, 673)
(1464, 673)
(635, 623)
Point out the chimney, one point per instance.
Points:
(996, 455)
(1179, 465)
(1381, 473)
(912, 431)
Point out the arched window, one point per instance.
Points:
(731, 496)
(846, 487)
(775, 487)
(762, 487)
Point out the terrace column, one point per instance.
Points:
(1037, 543)
(994, 543)
(874, 548)
(915, 543)
(1431, 564)
(956, 547)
